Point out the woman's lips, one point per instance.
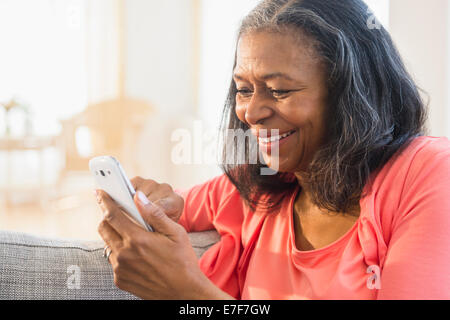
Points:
(267, 144)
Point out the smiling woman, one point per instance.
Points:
(342, 87)
(357, 206)
(272, 94)
(358, 187)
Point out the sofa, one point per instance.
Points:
(37, 268)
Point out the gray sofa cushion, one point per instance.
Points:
(42, 268)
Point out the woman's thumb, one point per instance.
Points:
(153, 214)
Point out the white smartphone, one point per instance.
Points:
(111, 178)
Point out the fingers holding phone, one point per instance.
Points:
(162, 195)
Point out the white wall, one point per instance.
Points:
(160, 69)
(220, 23)
(159, 53)
(421, 30)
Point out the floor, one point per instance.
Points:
(68, 210)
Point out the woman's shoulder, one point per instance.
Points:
(415, 174)
(411, 159)
(423, 162)
(428, 146)
(424, 156)
(413, 184)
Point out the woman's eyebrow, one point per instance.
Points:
(268, 76)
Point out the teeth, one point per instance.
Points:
(275, 138)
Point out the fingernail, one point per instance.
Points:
(142, 198)
(97, 195)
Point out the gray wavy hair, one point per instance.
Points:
(374, 106)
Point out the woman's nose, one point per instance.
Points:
(258, 109)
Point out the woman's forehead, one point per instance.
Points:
(284, 41)
(270, 54)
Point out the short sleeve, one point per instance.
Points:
(202, 203)
(197, 212)
(217, 205)
(418, 255)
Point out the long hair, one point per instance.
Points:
(374, 106)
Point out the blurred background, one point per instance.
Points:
(80, 78)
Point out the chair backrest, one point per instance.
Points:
(113, 126)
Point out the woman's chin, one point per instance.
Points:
(279, 164)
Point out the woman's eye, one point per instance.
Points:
(279, 93)
(245, 92)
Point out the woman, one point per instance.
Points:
(358, 206)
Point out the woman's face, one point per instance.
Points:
(281, 85)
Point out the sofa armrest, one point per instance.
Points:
(42, 268)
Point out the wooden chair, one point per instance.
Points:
(114, 126)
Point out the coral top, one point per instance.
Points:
(399, 248)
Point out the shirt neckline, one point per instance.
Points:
(329, 247)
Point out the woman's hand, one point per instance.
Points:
(162, 195)
(152, 265)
